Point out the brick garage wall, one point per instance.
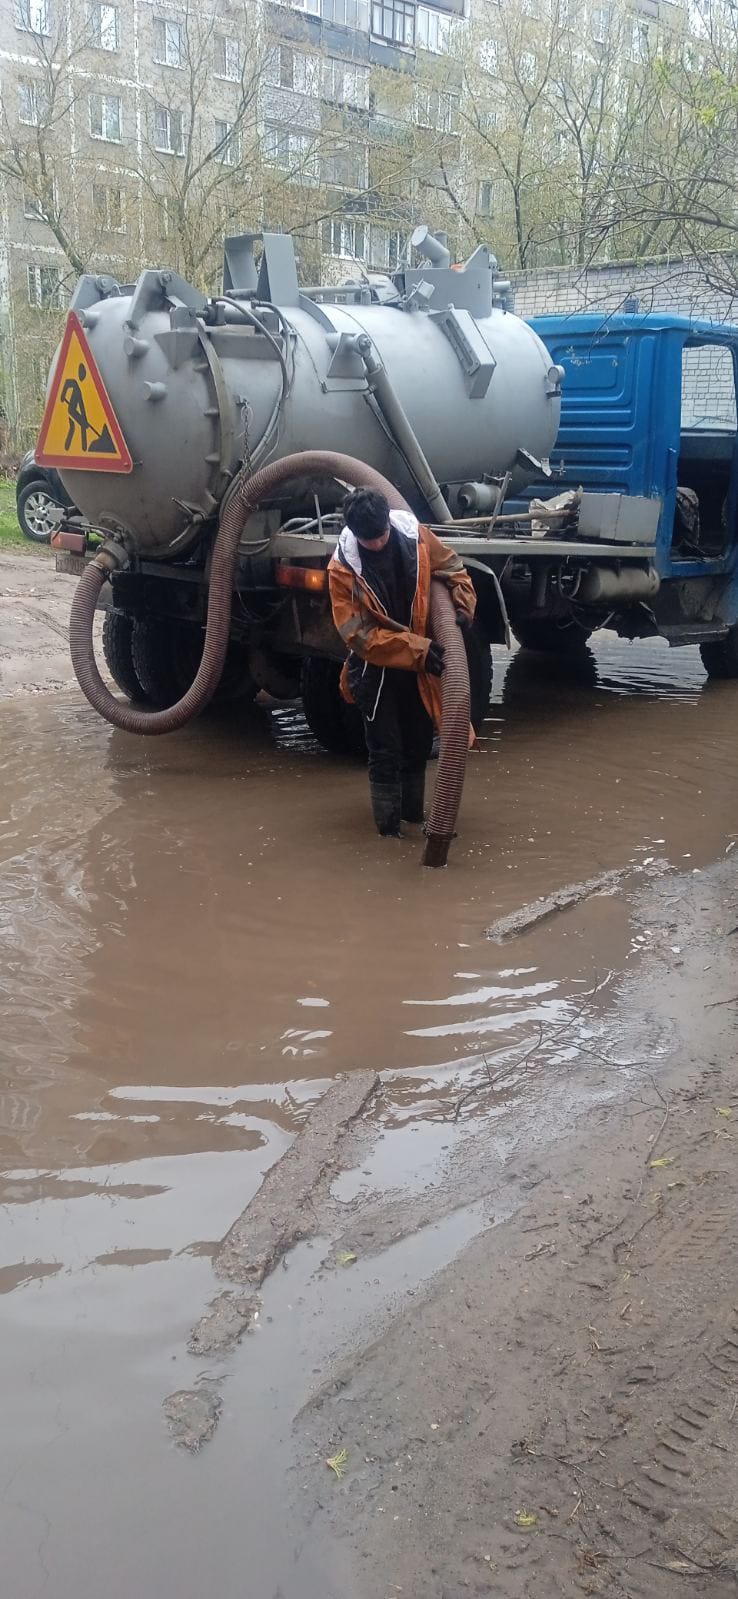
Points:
(708, 387)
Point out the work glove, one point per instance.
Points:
(435, 660)
(464, 621)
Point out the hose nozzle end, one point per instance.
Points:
(436, 849)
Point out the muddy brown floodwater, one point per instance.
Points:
(196, 934)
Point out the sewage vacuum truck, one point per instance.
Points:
(185, 427)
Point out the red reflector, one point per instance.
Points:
(313, 578)
(76, 542)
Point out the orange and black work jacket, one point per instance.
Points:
(362, 620)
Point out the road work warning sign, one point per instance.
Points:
(80, 428)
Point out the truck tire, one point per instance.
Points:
(720, 656)
(336, 725)
(546, 637)
(117, 642)
(166, 655)
(479, 660)
(155, 661)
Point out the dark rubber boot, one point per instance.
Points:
(386, 807)
(413, 796)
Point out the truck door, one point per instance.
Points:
(705, 514)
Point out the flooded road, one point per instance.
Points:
(196, 934)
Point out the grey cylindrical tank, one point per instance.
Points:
(193, 400)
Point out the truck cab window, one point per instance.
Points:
(706, 452)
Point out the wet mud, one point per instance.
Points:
(197, 936)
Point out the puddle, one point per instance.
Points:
(196, 935)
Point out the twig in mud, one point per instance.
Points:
(667, 1108)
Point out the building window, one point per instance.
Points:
(564, 14)
(108, 208)
(345, 238)
(33, 105)
(394, 20)
(292, 69)
(489, 56)
(488, 121)
(40, 376)
(345, 169)
(435, 109)
(433, 30)
(32, 16)
(291, 151)
(227, 57)
(387, 249)
(168, 220)
(311, 6)
(485, 198)
(103, 27)
(599, 23)
(638, 41)
(45, 287)
(168, 130)
(167, 43)
(528, 67)
(347, 13)
(345, 83)
(105, 117)
(34, 207)
(226, 143)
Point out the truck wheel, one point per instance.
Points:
(479, 660)
(336, 725)
(720, 657)
(155, 660)
(548, 638)
(117, 641)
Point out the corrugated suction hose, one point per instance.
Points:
(454, 728)
(248, 494)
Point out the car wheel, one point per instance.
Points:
(38, 512)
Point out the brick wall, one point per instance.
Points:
(708, 385)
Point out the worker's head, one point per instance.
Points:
(367, 514)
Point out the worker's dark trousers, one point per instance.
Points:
(399, 739)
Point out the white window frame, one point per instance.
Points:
(352, 14)
(387, 248)
(231, 69)
(435, 108)
(169, 39)
(599, 24)
(528, 66)
(312, 7)
(34, 278)
(564, 14)
(105, 222)
(38, 103)
(345, 82)
(344, 234)
(226, 135)
(163, 143)
(32, 16)
(100, 18)
(434, 30)
(106, 101)
(287, 148)
(41, 364)
(489, 56)
(32, 208)
(486, 197)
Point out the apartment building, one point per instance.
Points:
(140, 131)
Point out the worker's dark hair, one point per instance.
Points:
(366, 513)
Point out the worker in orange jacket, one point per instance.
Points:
(379, 579)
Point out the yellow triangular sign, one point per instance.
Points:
(80, 428)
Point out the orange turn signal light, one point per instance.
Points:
(312, 578)
(76, 542)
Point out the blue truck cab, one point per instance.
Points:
(649, 414)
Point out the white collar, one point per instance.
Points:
(403, 521)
